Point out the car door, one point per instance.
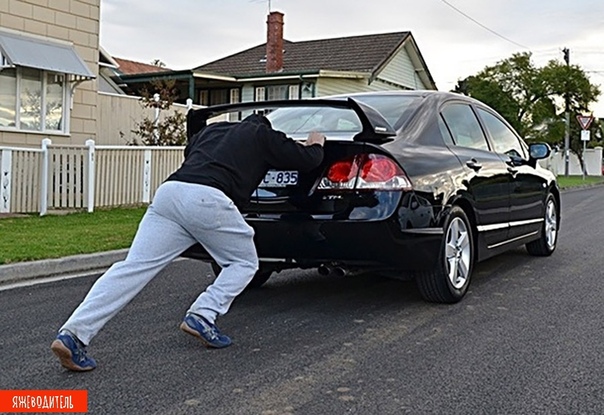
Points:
(486, 175)
(527, 189)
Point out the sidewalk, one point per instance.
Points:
(97, 262)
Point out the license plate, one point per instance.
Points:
(279, 178)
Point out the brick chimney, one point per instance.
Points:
(274, 42)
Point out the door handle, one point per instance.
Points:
(474, 164)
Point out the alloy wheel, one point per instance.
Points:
(458, 253)
(551, 224)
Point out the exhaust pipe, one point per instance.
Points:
(339, 272)
(324, 270)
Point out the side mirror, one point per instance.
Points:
(538, 151)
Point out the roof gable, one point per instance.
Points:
(355, 53)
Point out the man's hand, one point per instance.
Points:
(315, 138)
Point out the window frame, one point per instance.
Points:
(513, 133)
(454, 137)
(65, 107)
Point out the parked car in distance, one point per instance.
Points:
(419, 184)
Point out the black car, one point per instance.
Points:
(413, 183)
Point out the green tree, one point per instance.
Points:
(167, 131)
(533, 99)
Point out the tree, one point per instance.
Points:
(532, 99)
(169, 131)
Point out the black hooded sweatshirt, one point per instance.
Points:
(235, 157)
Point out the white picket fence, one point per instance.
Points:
(58, 177)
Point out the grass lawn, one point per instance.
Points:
(34, 237)
(566, 182)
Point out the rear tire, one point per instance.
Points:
(261, 276)
(448, 282)
(546, 244)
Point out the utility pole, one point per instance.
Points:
(566, 53)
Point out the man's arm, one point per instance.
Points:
(285, 153)
(314, 138)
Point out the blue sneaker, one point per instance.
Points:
(72, 353)
(208, 333)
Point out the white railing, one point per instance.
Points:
(82, 177)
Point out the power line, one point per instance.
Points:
(483, 26)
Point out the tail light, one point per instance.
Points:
(365, 171)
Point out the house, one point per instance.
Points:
(282, 69)
(49, 54)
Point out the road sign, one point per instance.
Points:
(585, 121)
(585, 135)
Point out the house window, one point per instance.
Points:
(294, 92)
(204, 97)
(8, 97)
(32, 100)
(235, 96)
(276, 92)
(219, 96)
(260, 94)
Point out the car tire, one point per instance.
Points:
(546, 244)
(261, 276)
(448, 282)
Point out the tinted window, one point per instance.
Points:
(504, 140)
(464, 126)
(395, 109)
(300, 120)
(297, 120)
(444, 132)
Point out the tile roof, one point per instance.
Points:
(128, 67)
(355, 53)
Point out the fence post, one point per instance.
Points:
(44, 180)
(6, 179)
(91, 176)
(147, 177)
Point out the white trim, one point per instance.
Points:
(213, 76)
(497, 226)
(343, 74)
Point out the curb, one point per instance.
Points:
(52, 267)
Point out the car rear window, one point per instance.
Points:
(302, 120)
(396, 109)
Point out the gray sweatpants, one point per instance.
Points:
(180, 215)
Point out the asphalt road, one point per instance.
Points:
(527, 339)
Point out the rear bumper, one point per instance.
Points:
(310, 243)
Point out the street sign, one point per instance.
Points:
(585, 121)
(585, 135)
